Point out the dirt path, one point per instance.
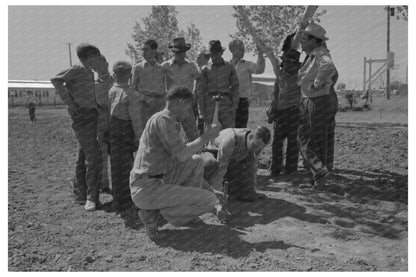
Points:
(360, 224)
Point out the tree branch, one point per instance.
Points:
(259, 43)
(307, 15)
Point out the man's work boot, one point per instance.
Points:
(149, 219)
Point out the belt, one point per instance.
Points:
(150, 94)
(158, 176)
(219, 93)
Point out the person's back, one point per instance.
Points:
(76, 89)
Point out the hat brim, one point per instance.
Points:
(323, 38)
(182, 49)
(288, 59)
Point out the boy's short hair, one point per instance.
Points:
(152, 44)
(263, 133)
(179, 93)
(85, 50)
(122, 70)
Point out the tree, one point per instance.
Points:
(401, 12)
(193, 36)
(162, 26)
(272, 24)
(341, 86)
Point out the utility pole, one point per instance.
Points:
(70, 57)
(388, 53)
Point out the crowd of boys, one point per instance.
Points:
(168, 155)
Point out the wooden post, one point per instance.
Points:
(364, 75)
(369, 73)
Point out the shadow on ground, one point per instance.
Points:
(215, 239)
(362, 190)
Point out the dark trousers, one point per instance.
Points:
(241, 176)
(241, 117)
(32, 108)
(313, 133)
(84, 124)
(331, 131)
(121, 158)
(285, 127)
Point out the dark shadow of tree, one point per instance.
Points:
(359, 187)
(215, 239)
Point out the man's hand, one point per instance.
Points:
(101, 67)
(260, 52)
(72, 110)
(316, 86)
(212, 132)
(222, 213)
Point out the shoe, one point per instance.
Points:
(120, 207)
(149, 219)
(80, 200)
(223, 214)
(90, 206)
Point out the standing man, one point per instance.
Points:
(315, 80)
(102, 85)
(166, 178)
(31, 102)
(76, 88)
(202, 62)
(219, 79)
(244, 71)
(181, 72)
(148, 82)
(286, 114)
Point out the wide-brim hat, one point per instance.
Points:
(291, 55)
(215, 47)
(315, 30)
(179, 45)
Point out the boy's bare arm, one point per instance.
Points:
(62, 91)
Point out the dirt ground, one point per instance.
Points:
(359, 224)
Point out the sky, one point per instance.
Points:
(38, 36)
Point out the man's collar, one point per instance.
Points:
(316, 50)
(151, 62)
(219, 63)
(239, 61)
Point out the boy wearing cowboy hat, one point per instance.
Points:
(181, 72)
(315, 79)
(218, 79)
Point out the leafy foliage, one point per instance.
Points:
(162, 26)
(400, 12)
(272, 24)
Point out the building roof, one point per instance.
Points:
(29, 84)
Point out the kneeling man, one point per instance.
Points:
(233, 158)
(166, 178)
